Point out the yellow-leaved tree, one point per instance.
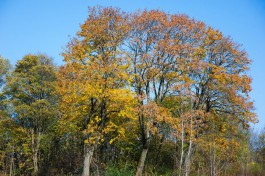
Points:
(96, 98)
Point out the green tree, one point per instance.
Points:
(4, 67)
(30, 93)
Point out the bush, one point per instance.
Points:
(120, 170)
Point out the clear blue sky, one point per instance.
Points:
(44, 26)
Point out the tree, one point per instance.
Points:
(30, 93)
(94, 83)
(147, 92)
(4, 67)
(159, 47)
(174, 56)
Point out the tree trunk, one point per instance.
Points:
(35, 143)
(141, 162)
(182, 148)
(88, 154)
(188, 156)
(187, 164)
(11, 168)
(35, 163)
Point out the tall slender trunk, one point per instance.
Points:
(141, 162)
(188, 157)
(182, 147)
(140, 167)
(11, 168)
(188, 161)
(35, 143)
(35, 162)
(145, 136)
(88, 155)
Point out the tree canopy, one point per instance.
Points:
(142, 93)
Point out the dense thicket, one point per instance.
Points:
(144, 93)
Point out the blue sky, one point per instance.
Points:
(44, 26)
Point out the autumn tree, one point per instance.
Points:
(174, 56)
(159, 48)
(30, 93)
(146, 92)
(94, 82)
(221, 88)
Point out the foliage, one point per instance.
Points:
(31, 103)
(140, 93)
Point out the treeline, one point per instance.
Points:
(143, 93)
